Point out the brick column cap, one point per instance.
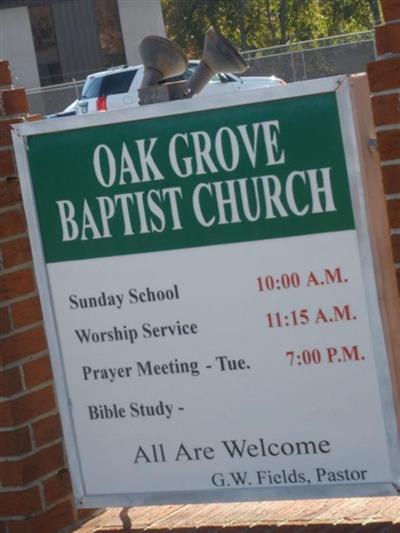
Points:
(5, 73)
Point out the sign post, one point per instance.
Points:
(211, 300)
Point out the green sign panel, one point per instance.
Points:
(245, 173)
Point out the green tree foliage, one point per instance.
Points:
(262, 23)
(347, 16)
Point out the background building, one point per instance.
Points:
(56, 41)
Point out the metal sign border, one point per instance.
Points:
(339, 84)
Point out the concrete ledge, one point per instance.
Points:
(372, 515)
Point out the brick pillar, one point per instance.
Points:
(384, 81)
(35, 489)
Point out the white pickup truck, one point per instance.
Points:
(117, 88)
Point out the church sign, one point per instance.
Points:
(210, 299)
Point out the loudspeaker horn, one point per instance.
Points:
(219, 55)
(161, 58)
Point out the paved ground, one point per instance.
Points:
(364, 515)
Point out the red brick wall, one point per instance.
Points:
(384, 80)
(35, 488)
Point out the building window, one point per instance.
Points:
(44, 39)
(110, 35)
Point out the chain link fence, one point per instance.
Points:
(343, 54)
(53, 98)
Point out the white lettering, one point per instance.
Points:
(109, 179)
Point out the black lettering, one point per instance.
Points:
(73, 299)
